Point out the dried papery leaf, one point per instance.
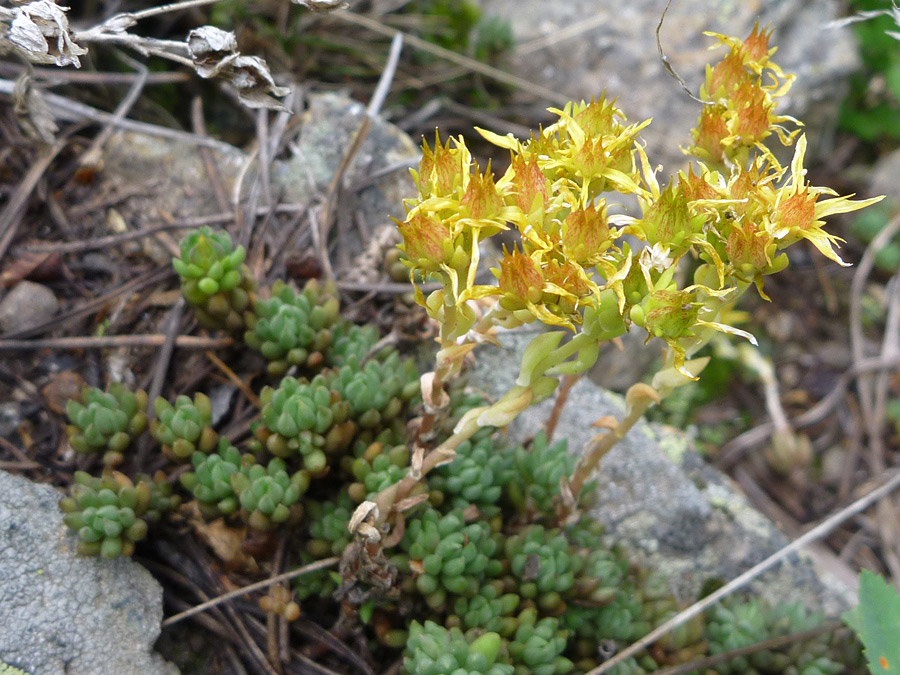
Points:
(32, 265)
(434, 400)
(40, 32)
(211, 49)
(606, 422)
(214, 53)
(32, 113)
(367, 512)
(255, 87)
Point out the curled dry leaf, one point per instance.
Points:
(214, 53)
(31, 110)
(39, 31)
(32, 265)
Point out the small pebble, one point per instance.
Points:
(27, 305)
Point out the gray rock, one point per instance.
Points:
(62, 613)
(179, 187)
(617, 53)
(27, 305)
(658, 497)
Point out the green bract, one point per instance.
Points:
(210, 481)
(303, 418)
(111, 513)
(214, 280)
(184, 428)
(268, 495)
(106, 421)
(293, 328)
(434, 650)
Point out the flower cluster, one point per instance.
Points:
(735, 210)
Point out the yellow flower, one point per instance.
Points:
(585, 235)
(425, 240)
(797, 212)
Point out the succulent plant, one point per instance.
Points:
(477, 476)
(539, 470)
(435, 650)
(378, 390)
(306, 419)
(184, 428)
(541, 564)
(210, 481)
(538, 644)
(321, 583)
(268, 494)
(350, 343)
(293, 328)
(106, 421)
(214, 280)
(491, 610)
(450, 556)
(379, 467)
(735, 623)
(328, 520)
(111, 513)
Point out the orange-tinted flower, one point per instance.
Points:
(440, 169)
(529, 183)
(424, 240)
(481, 200)
(670, 314)
(585, 234)
(520, 279)
(711, 130)
(725, 76)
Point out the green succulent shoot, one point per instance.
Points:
(214, 280)
(378, 390)
(328, 533)
(542, 565)
(378, 467)
(435, 650)
(450, 556)
(490, 610)
(308, 419)
(210, 481)
(106, 421)
(184, 428)
(350, 343)
(268, 494)
(293, 328)
(477, 476)
(107, 513)
(538, 645)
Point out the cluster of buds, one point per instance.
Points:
(736, 213)
(106, 421)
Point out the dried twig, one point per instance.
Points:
(265, 583)
(110, 341)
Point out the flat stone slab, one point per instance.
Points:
(61, 613)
